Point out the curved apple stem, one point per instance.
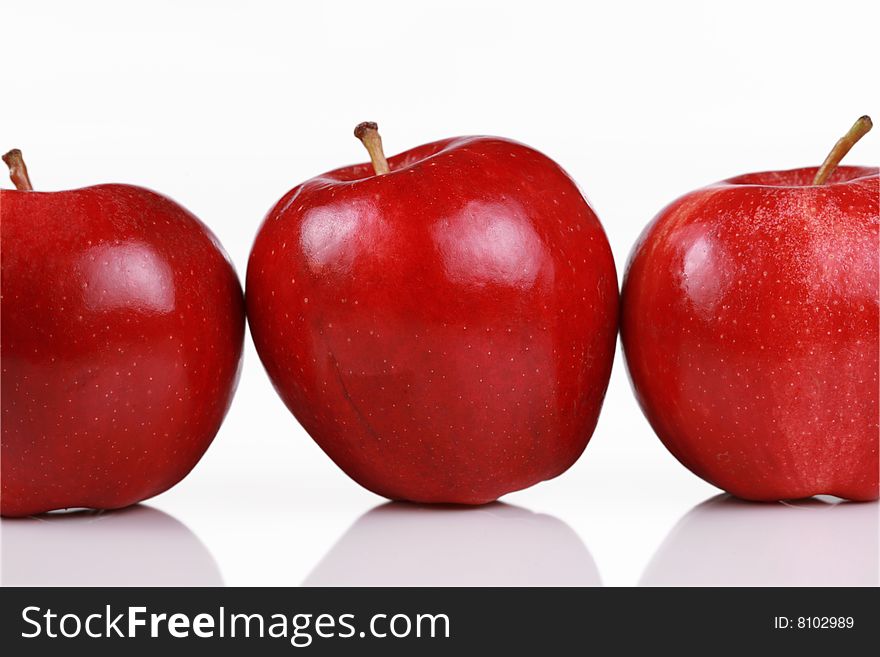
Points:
(368, 133)
(841, 148)
(18, 170)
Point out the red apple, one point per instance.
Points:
(441, 323)
(122, 329)
(750, 328)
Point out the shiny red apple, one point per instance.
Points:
(441, 323)
(750, 328)
(122, 329)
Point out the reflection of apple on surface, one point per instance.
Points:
(400, 544)
(730, 542)
(122, 329)
(750, 328)
(442, 322)
(137, 546)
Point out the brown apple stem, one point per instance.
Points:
(841, 148)
(18, 170)
(368, 133)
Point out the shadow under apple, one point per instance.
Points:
(402, 544)
(135, 546)
(725, 541)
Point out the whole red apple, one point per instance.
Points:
(122, 330)
(443, 322)
(750, 328)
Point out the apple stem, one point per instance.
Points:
(368, 133)
(18, 170)
(841, 148)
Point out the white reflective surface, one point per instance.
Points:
(398, 544)
(719, 542)
(729, 542)
(266, 501)
(138, 546)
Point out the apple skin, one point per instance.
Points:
(444, 331)
(750, 328)
(122, 331)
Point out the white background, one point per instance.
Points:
(224, 106)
